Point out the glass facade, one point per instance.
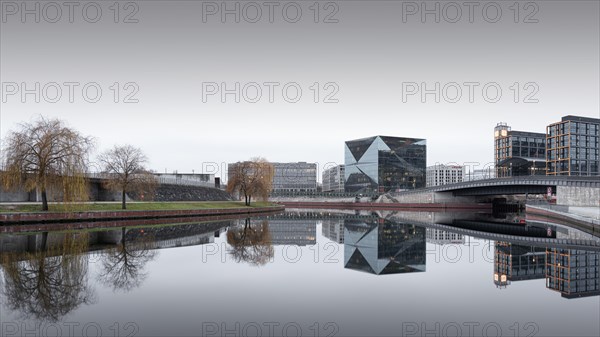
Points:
(384, 164)
(295, 177)
(573, 273)
(384, 247)
(573, 147)
(518, 153)
(513, 262)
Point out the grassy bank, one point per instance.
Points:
(131, 206)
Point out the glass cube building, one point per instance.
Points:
(383, 164)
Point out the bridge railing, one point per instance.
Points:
(159, 180)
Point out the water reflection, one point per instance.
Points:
(48, 284)
(123, 266)
(45, 276)
(573, 273)
(514, 262)
(251, 243)
(384, 247)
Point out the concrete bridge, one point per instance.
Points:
(569, 190)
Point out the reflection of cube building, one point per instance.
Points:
(333, 229)
(516, 263)
(384, 247)
(383, 164)
(573, 273)
(442, 237)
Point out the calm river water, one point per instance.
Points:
(305, 273)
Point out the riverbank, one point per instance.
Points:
(111, 211)
(583, 218)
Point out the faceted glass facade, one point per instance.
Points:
(573, 147)
(384, 247)
(383, 164)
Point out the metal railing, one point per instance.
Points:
(160, 180)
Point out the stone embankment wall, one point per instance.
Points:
(578, 196)
(98, 193)
(185, 193)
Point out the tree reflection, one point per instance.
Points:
(123, 266)
(252, 245)
(48, 284)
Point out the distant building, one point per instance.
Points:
(295, 177)
(290, 177)
(480, 174)
(293, 232)
(573, 273)
(333, 179)
(518, 153)
(442, 237)
(572, 147)
(384, 164)
(439, 174)
(333, 229)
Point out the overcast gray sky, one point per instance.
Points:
(370, 60)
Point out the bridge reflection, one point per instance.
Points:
(379, 243)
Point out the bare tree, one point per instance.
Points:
(124, 166)
(123, 266)
(251, 178)
(44, 154)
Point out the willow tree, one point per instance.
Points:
(50, 283)
(251, 178)
(252, 245)
(124, 168)
(46, 154)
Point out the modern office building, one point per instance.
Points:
(573, 273)
(290, 177)
(442, 237)
(440, 174)
(384, 247)
(517, 263)
(480, 174)
(384, 164)
(294, 177)
(293, 232)
(333, 179)
(333, 229)
(518, 153)
(572, 147)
